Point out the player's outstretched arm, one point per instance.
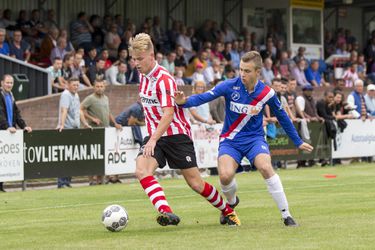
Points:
(306, 147)
(180, 98)
(199, 99)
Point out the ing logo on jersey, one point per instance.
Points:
(244, 108)
(235, 96)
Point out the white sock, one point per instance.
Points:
(230, 191)
(275, 188)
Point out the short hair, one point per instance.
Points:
(253, 56)
(73, 79)
(140, 43)
(358, 82)
(275, 80)
(56, 59)
(67, 57)
(7, 75)
(98, 80)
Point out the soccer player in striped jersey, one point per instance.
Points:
(243, 134)
(168, 137)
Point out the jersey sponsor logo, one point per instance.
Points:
(236, 87)
(244, 108)
(235, 96)
(149, 101)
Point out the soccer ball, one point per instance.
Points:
(115, 218)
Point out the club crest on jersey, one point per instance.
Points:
(235, 96)
(244, 108)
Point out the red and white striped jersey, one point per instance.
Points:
(156, 91)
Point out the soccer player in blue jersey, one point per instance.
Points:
(243, 135)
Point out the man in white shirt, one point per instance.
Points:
(116, 74)
(370, 99)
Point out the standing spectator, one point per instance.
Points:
(357, 102)
(313, 76)
(298, 72)
(132, 75)
(19, 48)
(267, 73)
(59, 50)
(96, 72)
(95, 108)
(112, 41)
(10, 115)
(201, 113)
(350, 75)
(168, 63)
(58, 83)
(70, 117)
(80, 31)
(4, 47)
(370, 99)
(116, 75)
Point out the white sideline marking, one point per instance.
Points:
(170, 197)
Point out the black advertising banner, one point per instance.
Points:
(75, 152)
(283, 148)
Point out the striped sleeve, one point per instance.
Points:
(165, 91)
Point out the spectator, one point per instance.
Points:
(235, 55)
(268, 50)
(96, 72)
(180, 62)
(300, 55)
(50, 22)
(58, 83)
(22, 20)
(340, 108)
(116, 75)
(184, 40)
(95, 108)
(307, 105)
(35, 30)
(67, 72)
(313, 76)
(285, 64)
(267, 73)
(4, 47)
(70, 117)
(78, 71)
(198, 74)
(132, 116)
(370, 99)
(105, 55)
(340, 85)
(226, 53)
(6, 21)
(112, 41)
(90, 59)
(218, 51)
(158, 34)
(80, 31)
(370, 55)
(342, 49)
(10, 115)
(69, 46)
(229, 72)
(298, 72)
(19, 48)
(201, 59)
(119, 21)
(123, 55)
(350, 75)
(213, 74)
(229, 35)
(48, 43)
(59, 50)
(178, 78)
(201, 114)
(132, 75)
(168, 62)
(97, 36)
(362, 67)
(159, 57)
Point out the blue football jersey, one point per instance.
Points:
(244, 110)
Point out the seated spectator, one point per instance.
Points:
(226, 53)
(78, 71)
(268, 50)
(97, 36)
(50, 21)
(69, 46)
(350, 75)
(235, 56)
(178, 78)
(180, 61)
(90, 59)
(105, 55)
(112, 41)
(285, 64)
(48, 43)
(362, 67)
(35, 30)
(357, 102)
(6, 20)
(340, 109)
(4, 47)
(184, 40)
(198, 74)
(342, 49)
(267, 73)
(123, 55)
(213, 74)
(159, 57)
(201, 114)
(370, 99)
(132, 75)
(19, 48)
(96, 72)
(300, 55)
(201, 59)
(218, 50)
(58, 84)
(298, 72)
(59, 50)
(132, 116)
(307, 105)
(116, 75)
(229, 72)
(80, 31)
(168, 62)
(340, 85)
(313, 75)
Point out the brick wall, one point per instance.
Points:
(42, 112)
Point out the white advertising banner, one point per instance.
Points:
(11, 156)
(357, 140)
(120, 151)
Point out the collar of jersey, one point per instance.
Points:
(255, 87)
(149, 75)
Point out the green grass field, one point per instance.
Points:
(334, 213)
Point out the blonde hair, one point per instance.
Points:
(253, 56)
(195, 83)
(140, 43)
